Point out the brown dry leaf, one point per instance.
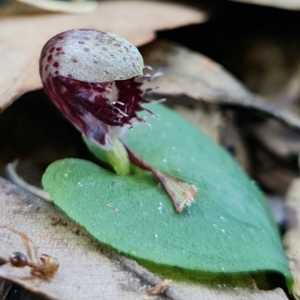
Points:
(41, 6)
(290, 97)
(273, 177)
(23, 37)
(232, 139)
(286, 4)
(282, 141)
(291, 238)
(189, 73)
(269, 69)
(86, 268)
(159, 288)
(62, 6)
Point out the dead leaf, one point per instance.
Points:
(189, 73)
(233, 140)
(17, 7)
(62, 6)
(286, 4)
(159, 288)
(281, 141)
(274, 175)
(23, 37)
(290, 96)
(267, 69)
(291, 238)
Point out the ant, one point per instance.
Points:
(45, 266)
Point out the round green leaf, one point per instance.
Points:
(228, 228)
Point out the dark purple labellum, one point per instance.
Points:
(114, 103)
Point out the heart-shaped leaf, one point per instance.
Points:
(227, 229)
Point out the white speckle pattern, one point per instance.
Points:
(91, 56)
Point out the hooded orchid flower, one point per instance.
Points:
(94, 78)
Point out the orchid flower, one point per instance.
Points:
(95, 79)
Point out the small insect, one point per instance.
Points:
(45, 266)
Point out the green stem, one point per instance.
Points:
(118, 158)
